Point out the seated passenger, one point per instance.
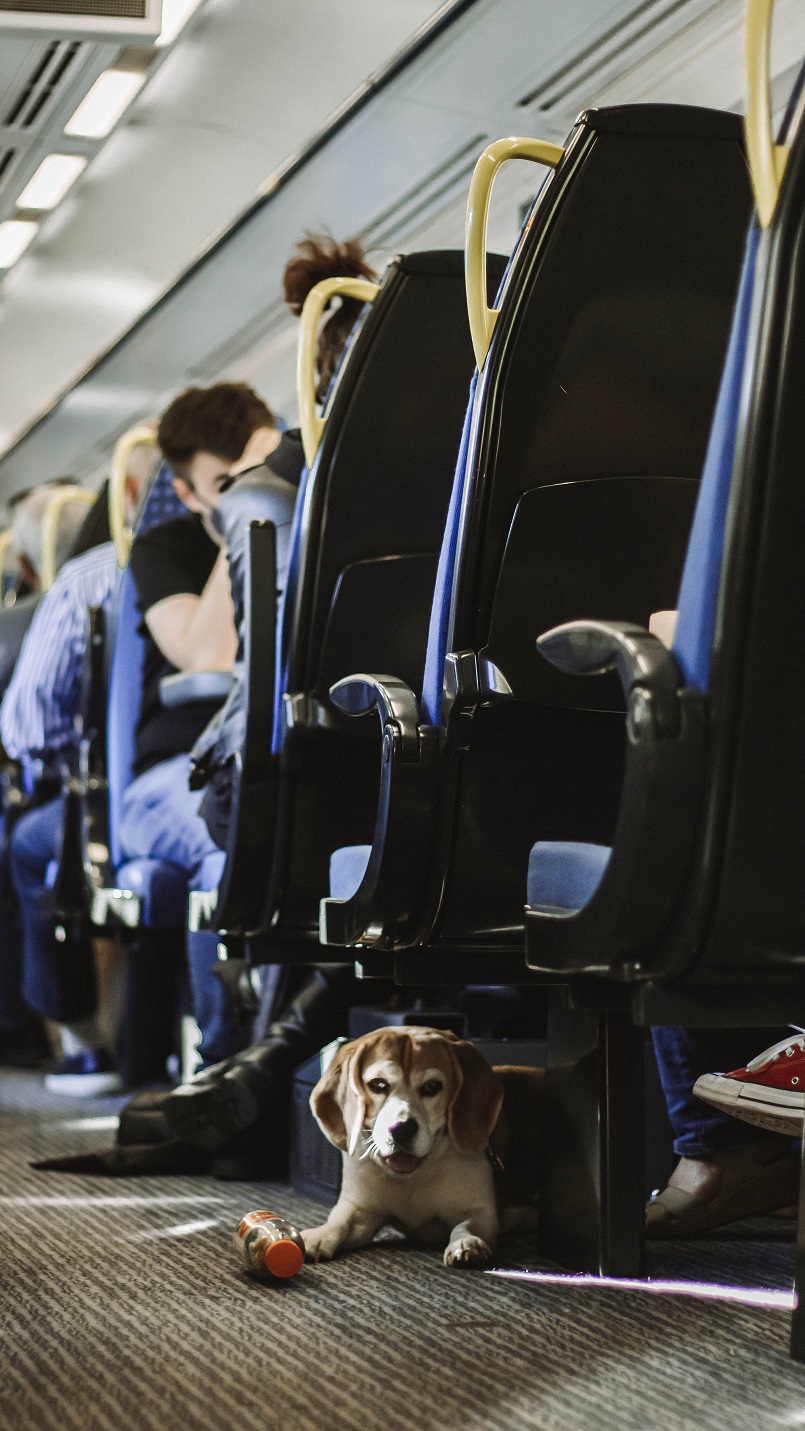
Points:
(725, 1171)
(39, 977)
(317, 257)
(28, 514)
(181, 577)
(235, 1094)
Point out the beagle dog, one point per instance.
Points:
(417, 1114)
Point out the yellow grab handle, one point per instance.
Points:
(482, 317)
(62, 497)
(5, 543)
(309, 421)
(122, 535)
(767, 160)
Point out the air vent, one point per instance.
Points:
(40, 86)
(7, 157)
(114, 19)
(111, 9)
(614, 49)
(427, 198)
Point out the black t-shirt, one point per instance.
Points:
(173, 559)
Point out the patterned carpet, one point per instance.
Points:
(122, 1308)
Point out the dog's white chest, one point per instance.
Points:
(443, 1192)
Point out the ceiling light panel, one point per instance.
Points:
(175, 14)
(15, 236)
(51, 181)
(102, 107)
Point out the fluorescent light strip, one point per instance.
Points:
(51, 181)
(706, 1291)
(175, 15)
(15, 236)
(102, 106)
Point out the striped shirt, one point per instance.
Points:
(42, 700)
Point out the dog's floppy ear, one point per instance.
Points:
(329, 1096)
(477, 1100)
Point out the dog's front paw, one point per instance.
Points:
(321, 1242)
(467, 1252)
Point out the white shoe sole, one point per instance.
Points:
(779, 1110)
(83, 1085)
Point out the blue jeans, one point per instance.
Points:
(58, 980)
(682, 1055)
(13, 1012)
(160, 820)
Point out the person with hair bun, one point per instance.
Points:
(320, 256)
(265, 489)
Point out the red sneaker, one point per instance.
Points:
(769, 1092)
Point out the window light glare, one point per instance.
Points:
(102, 106)
(15, 236)
(175, 14)
(51, 181)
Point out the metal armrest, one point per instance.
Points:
(188, 687)
(615, 932)
(388, 896)
(591, 648)
(393, 700)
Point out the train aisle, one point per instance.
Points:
(122, 1309)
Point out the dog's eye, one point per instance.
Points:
(377, 1085)
(431, 1088)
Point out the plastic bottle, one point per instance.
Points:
(269, 1246)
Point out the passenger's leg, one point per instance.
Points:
(233, 1096)
(22, 1037)
(58, 979)
(726, 1170)
(161, 821)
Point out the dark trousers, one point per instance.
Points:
(682, 1055)
(13, 1012)
(58, 979)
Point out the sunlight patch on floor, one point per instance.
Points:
(704, 1291)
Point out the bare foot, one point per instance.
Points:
(700, 1177)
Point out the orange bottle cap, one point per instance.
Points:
(283, 1258)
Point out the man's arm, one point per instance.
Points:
(197, 633)
(43, 697)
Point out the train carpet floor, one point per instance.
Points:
(122, 1308)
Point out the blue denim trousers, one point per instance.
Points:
(14, 1013)
(57, 980)
(682, 1055)
(160, 820)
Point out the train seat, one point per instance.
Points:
(582, 871)
(151, 892)
(576, 482)
(675, 778)
(697, 918)
(358, 592)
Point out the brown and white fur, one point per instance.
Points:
(414, 1111)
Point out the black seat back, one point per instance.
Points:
(374, 515)
(595, 413)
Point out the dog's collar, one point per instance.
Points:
(495, 1160)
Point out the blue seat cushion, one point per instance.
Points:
(347, 869)
(564, 875)
(162, 887)
(210, 874)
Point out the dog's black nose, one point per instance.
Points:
(404, 1132)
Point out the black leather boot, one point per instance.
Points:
(232, 1096)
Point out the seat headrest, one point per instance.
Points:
(160, 503)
